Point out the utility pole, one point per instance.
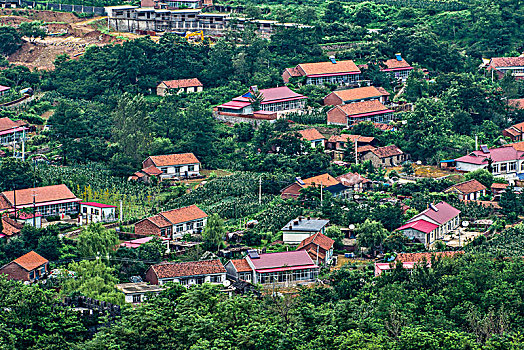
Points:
(476, 142)
(356, 151)
(260, 191)
(34, 207)
(121, 212)
(321, 195)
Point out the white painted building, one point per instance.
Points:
(187, 273)
(184, 165)
(301, 228)
(92, 212)
(136, 293)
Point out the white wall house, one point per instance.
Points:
(301, 228)
(136, 293)
(91, 212)
(182, 165)
(187, 273)
(505, 162)
(173, 224)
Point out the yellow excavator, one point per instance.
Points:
(199, 34)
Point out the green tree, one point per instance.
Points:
(16, 174)
(10, 40)
(152, 250)
(96, 240)
(214, 232)
(481, 175)
(510, 204)
(32, 30)
(370, 234)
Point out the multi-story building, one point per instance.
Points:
(12, 131)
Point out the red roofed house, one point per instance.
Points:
(516, 103)
(319, 247)
(398, 67)
(366, 93)
(498, 188)
(147, 174)
(432, 224)
(507, 65)
(29, 267)
(289, 268)
(169, 87)
(354, 113)
(183, 165)
(355, 181)
(274, 103)
(505, 162)
(4, 89)
(515, 132)
(339, 143)
(173, 223)
(11, 228)
(314, 136)
(49, 200)
(11, 130)
(328, 183)
(187, 273)
(468, 190)
(409, 260)
(334, 72)
(387, 156)
(97, 212)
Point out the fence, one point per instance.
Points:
(64, 7)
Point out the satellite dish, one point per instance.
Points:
(226, 283)
(465, 223)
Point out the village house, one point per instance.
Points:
(326, 181)
(173, 223)
(355, 182)
(365, 93)
(498, 188)
(319, 247)
(93, 212)
(314, 137)
(398, 67)
(29, 219)
(468, 190)
(354, 113)
(12, 131)
(261, 105)
(30, 267)
(387, 156)
(432, 224)
(505, 162)
(334, 72)
(136, 243)
(136, 293)
(515, 132)
(516, 103)
(146, 175)
(11, 228)
(169, 87)
(48, 200)
(337, 144)
(289, 268)
(301, 228)
(187, 273)
(500, 66)
(409, 260)
(183, 165)
(4, 90)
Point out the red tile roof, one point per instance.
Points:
(507, 62)
(182, 83)
(396, 64)
(499, 186)
(500, 154)
(357, 108)
(467, 187)
(11, 227)
(416, 257)
(360, 93)
(445, 213)
(419, 225)
(241, 265)
(383, 91)
(383, 127)
(329, 68)
(6, 124)
(159, 221)
(352, 138)
(31, 261)
(174, 159)
(184, 214)
(311, 134)
(517, 103)
(326, 180)
(292, 72)
(190, 268)
(319, 239)
(152, 170)
(365, 148)
(519, 146)
(43, 194)
(387, 151)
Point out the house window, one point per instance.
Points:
(512, 166)
(191, 168)
(503, 167)
(32, 275)
(179, 228)
(215, 279)
(190, 225)
(495, 168)
(84, 210)
(199, 223)
(137, 298)
(164, 169)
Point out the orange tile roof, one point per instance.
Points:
(360, 93)
(499, 186)
(182, 83)
(159, 221)
(152, 170)
(362, 107)
(189, 268)
(388, 151)
(498, 62)
(319, 239)
(328, 67)
(383, 91)
(184, 214)
(31, 261)
(326, 180)
(394, 63)
(352, 138)
(6, 124)
(416, 257)
(241, 265)
(43, 194)
(519, 146)
(517, 103)
(365, 148)
(174, 159)
(311, 134)
(11, 227)
(467, 187)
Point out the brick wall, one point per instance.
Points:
(332, 100)
(151, 276)
(146, 163)
(15, 272)
(147, 228)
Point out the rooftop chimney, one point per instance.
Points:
(332, 59)
(398, 56)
